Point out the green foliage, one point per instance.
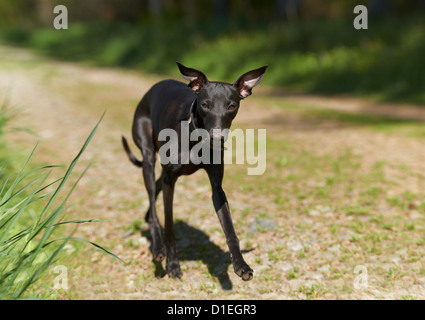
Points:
(29, 219)
(323, 57)
(13, 12)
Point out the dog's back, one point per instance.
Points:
(165, 104)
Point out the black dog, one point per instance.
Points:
(207, 105)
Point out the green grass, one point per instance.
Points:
(325, 57)
(32, 234)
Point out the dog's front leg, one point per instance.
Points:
(215, 173)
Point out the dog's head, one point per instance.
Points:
(218, 102)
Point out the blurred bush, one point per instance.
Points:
(311, 46)
(195, 12)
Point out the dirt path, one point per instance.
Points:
(62, 102)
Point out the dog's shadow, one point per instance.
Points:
(195, 245)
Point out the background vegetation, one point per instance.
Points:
(311, 46)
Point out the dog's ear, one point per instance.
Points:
(196, 78)
(249, 80)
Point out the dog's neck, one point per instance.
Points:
(195, 121)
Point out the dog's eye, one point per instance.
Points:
(231, 107)
(205, 106)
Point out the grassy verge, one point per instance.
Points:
(32, 237)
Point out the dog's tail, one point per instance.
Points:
(130, 155)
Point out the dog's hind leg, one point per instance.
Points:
(158, 189)
(145, 142)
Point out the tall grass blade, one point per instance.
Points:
(21, 262)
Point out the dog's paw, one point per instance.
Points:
(174, 271)
(244, 271)
(159, 254)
